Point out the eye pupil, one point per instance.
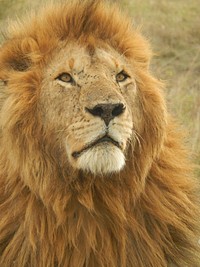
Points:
(65, 77)
(122, 76)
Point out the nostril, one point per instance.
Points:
(96, 111)
(119, 109)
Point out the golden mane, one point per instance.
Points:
(145, 216)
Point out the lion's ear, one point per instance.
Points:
(17, 55)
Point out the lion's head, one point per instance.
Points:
(92, 91)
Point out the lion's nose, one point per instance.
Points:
(107, 112)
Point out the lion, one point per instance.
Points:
(93, 169)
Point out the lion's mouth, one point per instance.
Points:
(105, 138)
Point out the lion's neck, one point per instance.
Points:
(92, 221)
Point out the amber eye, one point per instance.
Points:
(122, 76)
(65, 77)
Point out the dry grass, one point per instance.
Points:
(173, 29)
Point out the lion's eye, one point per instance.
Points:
(122, 76)
(65, 77)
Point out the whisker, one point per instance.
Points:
(61, 130)
(138, 139)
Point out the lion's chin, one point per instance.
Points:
(101, 159)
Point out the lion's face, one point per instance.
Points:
(88, 98)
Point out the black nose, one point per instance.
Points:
(107, 111)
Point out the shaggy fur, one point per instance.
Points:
(53, 214)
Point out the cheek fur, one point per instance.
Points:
(59, 106)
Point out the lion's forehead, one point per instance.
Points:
(80, 61)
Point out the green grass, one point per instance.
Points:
(173, 28)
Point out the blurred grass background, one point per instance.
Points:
(173, 28)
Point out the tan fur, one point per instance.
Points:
(54, 211)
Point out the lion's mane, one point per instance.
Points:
(144, 216)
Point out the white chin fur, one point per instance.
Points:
(102, 160)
